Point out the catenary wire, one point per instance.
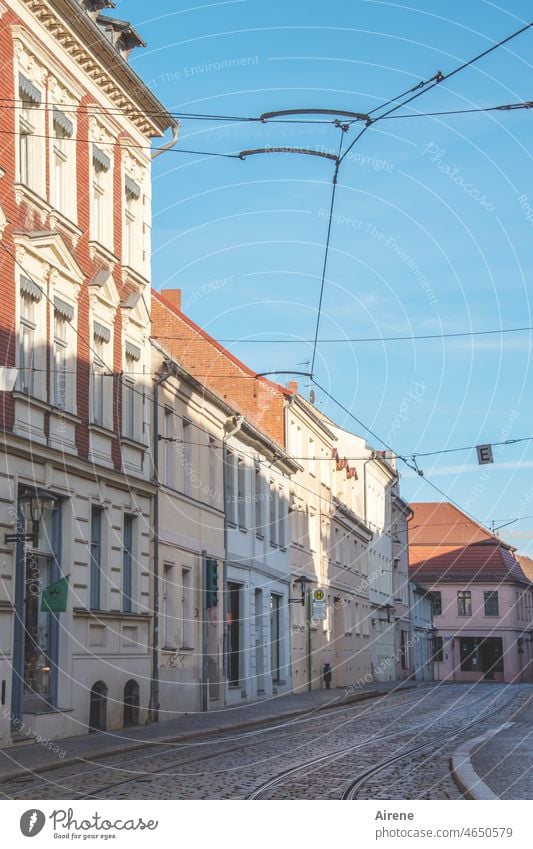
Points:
(359, 339)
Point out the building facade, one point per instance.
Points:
(254, 475)
(482, 600)
(422, 632)
(75, 478)
(376, 479)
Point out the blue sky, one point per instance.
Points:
(431, 231)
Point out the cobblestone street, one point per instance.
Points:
(331, 754)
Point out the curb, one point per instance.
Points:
(179, 738)
(467, 779)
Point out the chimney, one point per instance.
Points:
(292, 386)
(173, 296)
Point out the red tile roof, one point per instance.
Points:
(527, 565)
(445, 545)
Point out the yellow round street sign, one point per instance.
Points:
(319, 595)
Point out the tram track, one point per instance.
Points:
(352, 788)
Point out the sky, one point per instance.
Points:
(432, 229)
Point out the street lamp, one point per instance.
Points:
(302, 580)
(35, 503)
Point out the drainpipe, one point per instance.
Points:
(154, 684)
(170, 144)
(234, 424)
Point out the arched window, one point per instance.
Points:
(98, 708)
(131, 703)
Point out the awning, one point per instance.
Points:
(132, 188)
(29, 91)
(100, 158)
(132, 352)
(101, 332)
(64, 309)
(64, 123)
(28, 287)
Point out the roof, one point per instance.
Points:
(442, 522)
(526, 564)
(447, 546)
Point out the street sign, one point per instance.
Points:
(484, 454)
(319, 595)
(319, 610)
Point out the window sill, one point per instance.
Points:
(31, 399)
(98, 249)
(101, 429)
(133, 443)
(130, 274)
(32, 197)
(65, 414)
(109, 614)
(57, 217)
(243, 530)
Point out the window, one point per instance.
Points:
(169, 448)
(281, 518)
(127, 564)
(187, 630)
(491, 603)
(132, 193)
(63, 314)
(30, 129)
(63, 130)
(464, 603)
(186, 457)
(241, 493)
(27, 340)
(404, 649)
(311, 457)
(212, 460)
(258, 503)
(101, 339)
(230, 487)
(436, 602)
(483, 655)
(130, 394)
(170, 638)
(272, 495)
(101, 229)
(438, 654)
(96, 558)
(313, 531)
(275, 636)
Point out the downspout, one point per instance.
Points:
(154, 695)
(237, 422)
(169, 145)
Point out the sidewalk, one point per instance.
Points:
(505, 761)
(18, 760)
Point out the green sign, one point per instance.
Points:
(54, 597)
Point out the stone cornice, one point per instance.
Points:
(79, 36)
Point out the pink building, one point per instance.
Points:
(482, 599)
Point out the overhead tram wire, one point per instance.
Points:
(410, 463)
(326, 251)
(440, 77)
(426, 337)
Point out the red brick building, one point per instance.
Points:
(75, 219)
